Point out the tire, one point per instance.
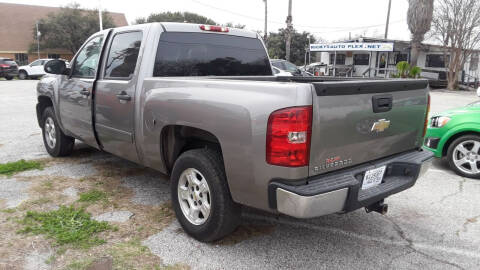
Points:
(223, 216)
(56, 142)
(22, 75)
(465, 160)
(9, 78)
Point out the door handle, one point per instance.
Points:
(124, 96)
(85, 92)
(382, 103)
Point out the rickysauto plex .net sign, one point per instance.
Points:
(356, 46)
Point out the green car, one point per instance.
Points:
(455, 135)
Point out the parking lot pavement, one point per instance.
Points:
(434, 225)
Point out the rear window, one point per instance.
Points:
(199, 54)
(8, 61)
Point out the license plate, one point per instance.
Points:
(373, 177)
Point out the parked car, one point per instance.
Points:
(8, 68)
(455, 135)
(278, 72)
(286, 66)
(32, 70)
(200, 103)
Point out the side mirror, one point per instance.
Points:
(56, 67)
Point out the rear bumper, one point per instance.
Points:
(8, 73)
(341, 191)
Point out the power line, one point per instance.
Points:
(346, 29)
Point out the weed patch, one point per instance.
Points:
(10, 168)
(92, 196)
(66, 225)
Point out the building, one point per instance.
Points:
(17, 23)
(375, 57)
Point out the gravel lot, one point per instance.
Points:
(434, 225)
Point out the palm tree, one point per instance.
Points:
(419, 17)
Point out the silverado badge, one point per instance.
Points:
(380, 125)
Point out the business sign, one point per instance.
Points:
(352, 46)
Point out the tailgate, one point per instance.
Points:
(359, 121)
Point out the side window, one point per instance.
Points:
(87, 60)
(36, 63)
(123, 55)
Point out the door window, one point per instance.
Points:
(36, 63)
(87, 60)
(123, 55)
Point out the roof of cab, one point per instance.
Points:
(190, 27)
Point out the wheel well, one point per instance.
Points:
(176, 139)
(454, 137)
(43, 102)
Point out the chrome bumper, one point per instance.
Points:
(341, 192)
(299, 206)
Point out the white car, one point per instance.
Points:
(279, 72)
(32, 70)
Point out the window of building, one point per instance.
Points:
(198, 54)
(401, 57)
(87, 60)
(340, 59)
(53, 56)
(123, 54)
(361, 59)
(473, 62)
(436, 60)
(21, 59)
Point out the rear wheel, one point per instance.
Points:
(22, 75)
(56, 142)
(200, 196)
(464, 156)
(9, 78)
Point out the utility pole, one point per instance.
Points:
(388, 18)
(265, 36)
(100, 14)
(289, 31)
(38, 40)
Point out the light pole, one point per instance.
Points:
(265, 35)
(38, 40)
(388, 18)
(100, 15)
(289, 31)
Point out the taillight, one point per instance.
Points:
(288, 137)
(4, 66)
(214, 28)
(425, 124)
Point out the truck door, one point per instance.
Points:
(75, 91)
(115, 93)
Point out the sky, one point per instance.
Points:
(330, 20)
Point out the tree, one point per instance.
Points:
(69, 28)
(176, 17)
(299, 45)
(419, 18)
(456, 24)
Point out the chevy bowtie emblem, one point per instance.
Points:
(380, 125)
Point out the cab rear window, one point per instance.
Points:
(200, 54)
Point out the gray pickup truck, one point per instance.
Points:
(200, 104)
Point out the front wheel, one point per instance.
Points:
(464, 156)
(56, 142)
(9, 78)
(200, 196)
(22, 75)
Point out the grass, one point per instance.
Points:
(10, 168)
(66, 225)
(92, 196)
